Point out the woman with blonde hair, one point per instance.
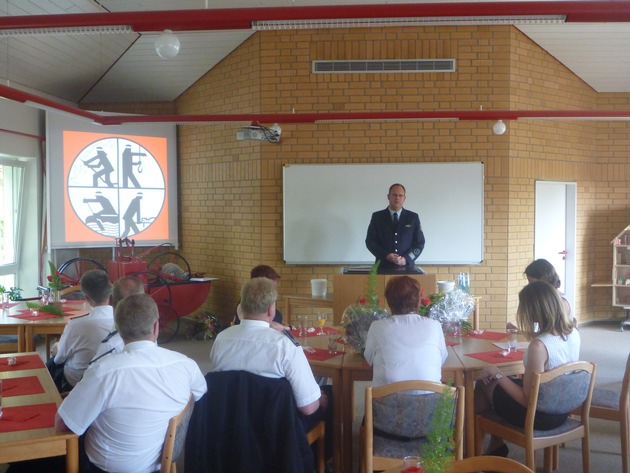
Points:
(554, 341)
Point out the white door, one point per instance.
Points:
(554, 231)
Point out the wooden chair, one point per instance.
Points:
(318, 434)
(488, 463)
(615, 406)
(371, 462)
(575, 383)
(175, 438)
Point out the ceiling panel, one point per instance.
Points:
(113, 68)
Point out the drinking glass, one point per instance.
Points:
(512, 339)
(411, 461)
(333, 338)
(303, 324)
(321, 321)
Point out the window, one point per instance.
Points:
(19, 223)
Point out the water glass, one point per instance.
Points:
(411, 461)
(512, 339)
(303, 325)
(333, 338)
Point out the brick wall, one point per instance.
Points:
(231, 192)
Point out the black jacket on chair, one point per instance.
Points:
(246, 423)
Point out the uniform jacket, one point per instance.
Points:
(406, 240)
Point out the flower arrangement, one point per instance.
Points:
(450, 308)
(205, 326)
(358, 317)
(56, 281)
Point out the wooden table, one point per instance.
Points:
(25, 329)
(37, 443)
(351, 367)
(305, 300)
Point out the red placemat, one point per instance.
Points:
(315, 332)
(450, 343)
(487, 335)
(26, 314)
(22, 362)
(319, 354)
(11, 304)
(38, 416)
(21, 386)
(495, 356)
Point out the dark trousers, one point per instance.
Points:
(56, 373)
(326, 415)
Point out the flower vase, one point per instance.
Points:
(56, 299)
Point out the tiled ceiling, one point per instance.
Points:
(123, 67)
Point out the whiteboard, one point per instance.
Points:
(328, 207)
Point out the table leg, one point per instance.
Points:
(469, 418)
(21, 340)
(72, 455)
(348, 401)
(28, 339)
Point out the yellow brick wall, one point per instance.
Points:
(231, 192)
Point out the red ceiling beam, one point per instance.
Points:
(241, 18)
(24, 97)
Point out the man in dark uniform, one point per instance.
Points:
(395, 236)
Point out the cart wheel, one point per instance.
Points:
(170, 265)
(160, 291)
(73, 269)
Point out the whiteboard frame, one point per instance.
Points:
(327, 209)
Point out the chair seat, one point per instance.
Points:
(605, 398)
(391, 448)
(567, 426)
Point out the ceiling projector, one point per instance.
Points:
(259, 133)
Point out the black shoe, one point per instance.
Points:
(501, 451)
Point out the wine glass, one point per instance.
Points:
(321, 321)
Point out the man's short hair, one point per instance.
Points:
(257, 296)
(135, 316)
(95, 285)
(126, 286)
(396, 185)
(403, 295)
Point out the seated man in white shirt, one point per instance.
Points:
(113, 342)
(127, 398)
(255, 347)
(82, 336)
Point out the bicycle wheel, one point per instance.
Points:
(158, 288)
(170, 265)
(73, 269)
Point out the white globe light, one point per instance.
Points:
(499, 127)
(167, 45)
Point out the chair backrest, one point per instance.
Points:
(566, 381)
(624, 397)
(409, 413)
(488, 463)
(176, 436)
(246, 422)
(72, 293)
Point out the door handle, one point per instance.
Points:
(564, 254)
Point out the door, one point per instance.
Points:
(554, 231)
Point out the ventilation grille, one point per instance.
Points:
(408, 65)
